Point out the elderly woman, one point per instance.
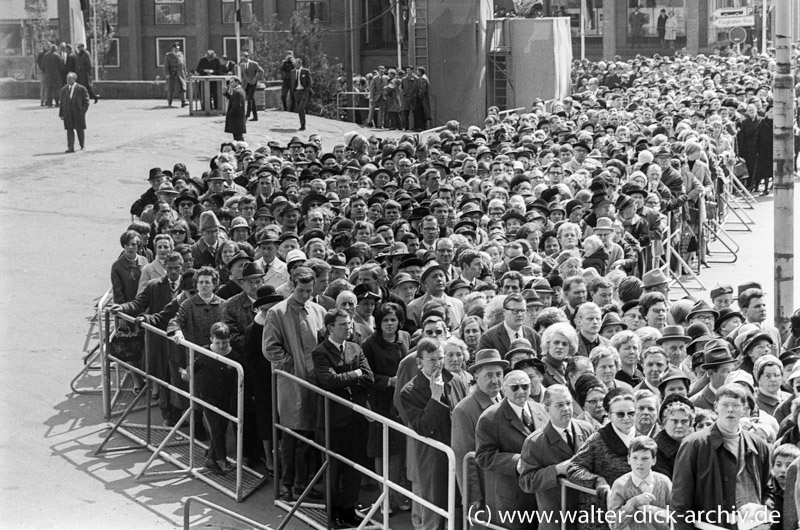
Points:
(155, 269)
(676, 416)
(604, 457)
(456, 356)
(628, 345)
(768, 376)
(606, 362)
(589, 394)
(568, 264)
(384, 350)
(559, 342)
(470, 332)
(753, 344)
(569, 236)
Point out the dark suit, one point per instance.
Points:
(431, 418)
(301, 91)
(70, 65)
(705, 399)
(335, 372)
(496, 338)
(250, 72)
(51, 68)
(238, 315)
(541, 452)
(73, 112)
(235, 120)
(499, 436)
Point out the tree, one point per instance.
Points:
(99, 23)
(304, 38)
(40, 34)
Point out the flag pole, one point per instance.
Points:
(238, 22)
(583, 30)
(94, 39)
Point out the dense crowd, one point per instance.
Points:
(501, 288)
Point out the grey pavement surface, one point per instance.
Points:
(60, 219)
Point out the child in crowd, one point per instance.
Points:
(638, 499)
(782, 457)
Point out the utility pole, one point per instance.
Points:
(783, 165)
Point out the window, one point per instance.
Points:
(11, 39)
(169, 12)
(111, 12)
(318, 11)
(229, 47)
(111, 59)
(164, 45)
(229, 11)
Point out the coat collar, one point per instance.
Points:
(612, 440)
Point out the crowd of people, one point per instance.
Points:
(500, 288)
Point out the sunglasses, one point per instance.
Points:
(178, 231)
(629, 414)
(522, 386)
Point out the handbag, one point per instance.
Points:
(740, 169)
(127, 344)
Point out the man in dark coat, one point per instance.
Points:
(250, 74)
(763, 168)
(286, 82)
(69, 63)
(500, 336)
(175, 72)
(74, 104)
(51, 66)
(301, 90)
(235, 122)
(83, 67)
(341, 368)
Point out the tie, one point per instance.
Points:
(570, 441)
(516, 335)
(444, 399)
(527, 420)
(174, 286)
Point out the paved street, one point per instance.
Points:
(60, 220)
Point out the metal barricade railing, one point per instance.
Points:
(147, 433)
(566, 484)
(434, 130)
(341, 104)
(187, 512)
(383, 479)
(510, 111)
(466, 465)
(92, 359)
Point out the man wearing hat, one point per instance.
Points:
(674, 342)
(655, 280)
(488, 373)
(156, 178)
(428, 401)
(718, 363)
(204, 250)
(548, 451)
(238, 312)
(175, 72)
(434, 280)
(276, 273)
(501, 336)
(500, 435)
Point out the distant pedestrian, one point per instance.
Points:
(83, 67)
(175, 71)
(51, 66)
(286, 81)
(251, 70)
(301, 90)
(74, 104)
(637, 21)
(235, 119)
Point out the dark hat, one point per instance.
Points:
(531, 297)
(295, 141)
(266, 295)
(717, 352)
(719, 290)
(582, 145)
(631, 188)
(286, 236)
(572, 205)
(533, 362)
(701, 306)
(471, 208)
(726, 314)
(155, 173)
(429, 268)
(528, 352)
(187, 194)
(541, 285)
(251, 270)
(624, 201)
(673, 398)
(263, 212)
(455, 285)
(487, 357)
(402, 278)
(752, 337)
(240, 255)
(599, 199)
(337, 261)
(362, 291)
(419, 212)
(513, 214)
(312, 198)
(518, 263)
(612, 318)
(412, 261)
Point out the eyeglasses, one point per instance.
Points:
(516, 311)
(521, 386)
(434, 332)
(629, 414)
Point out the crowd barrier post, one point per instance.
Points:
(468, 463)
(353, 107)
(92, 359)
(566, 484)
(297, 508)
(510, 111)
(433, 130)
(175, 438)
(187, 507)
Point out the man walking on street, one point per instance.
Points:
(51, 67)
(286, 81)
(235, 119)
(301, 90)
(74, 104)
(175, 71)
(250, 72)
(83, 67)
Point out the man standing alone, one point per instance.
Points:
(250, 72)
(175, 71)
(235, 119)
(83, 67)
(301, 90)
(74, 104)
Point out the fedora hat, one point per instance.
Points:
(363, 292)
(155, 173)
(612, 318)
(240, 255)
(208, 220)
(726, 314)
(673, 333)
(338, 261)
(402, 278)
(604, 224)
(673, 374)
(717, 352)
(252, 270)
(167, 189)
(531, 297)
(430, 268)
(487, 357)
(719, 290)
(653, 277)
(187, 194)
(266, 295)
(701, 306)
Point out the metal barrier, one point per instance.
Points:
(341, 95)
(510, 111)
(383, 479)
(201, 88)
(187, 507)
(466, 465)
(145, 434)
(566, 484)
(433, 130)
(92, 359)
